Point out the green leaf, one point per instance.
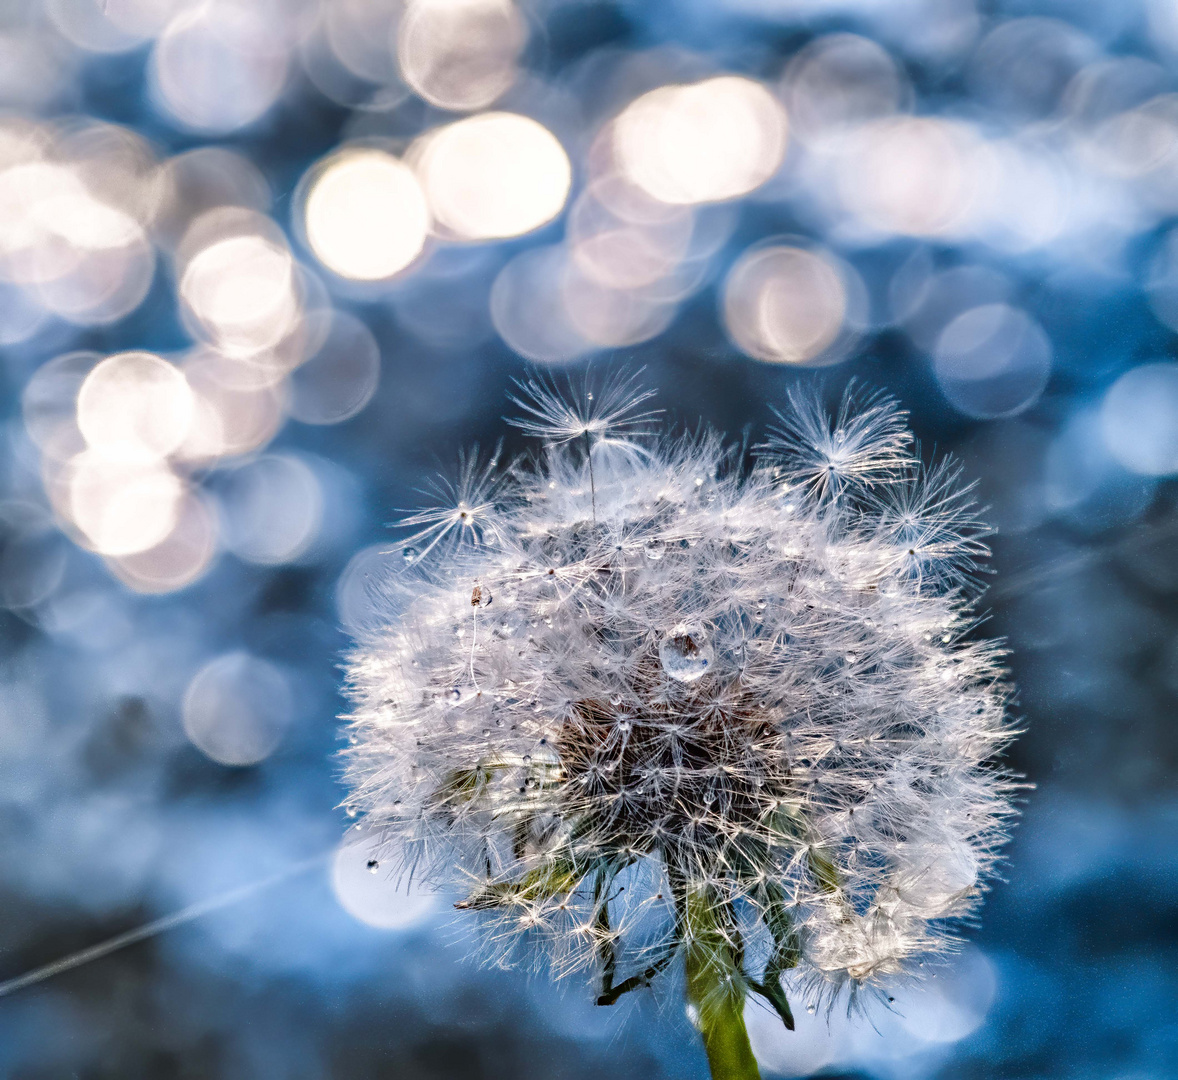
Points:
(556, 877)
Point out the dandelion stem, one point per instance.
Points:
(716, 991)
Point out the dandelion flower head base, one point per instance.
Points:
(661, 703)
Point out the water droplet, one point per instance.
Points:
(685, 652)
(409, 554)
(396, 802)
(543, 742)
(840, 437)
(486, 732)
(351, 811)
(455, 694)
(654, 549)
(811, 1009)
(527, 759)
(373, 866)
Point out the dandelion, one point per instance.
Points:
(666, 709)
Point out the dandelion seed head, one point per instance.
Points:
(704, 685)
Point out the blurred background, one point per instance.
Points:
(266, 266)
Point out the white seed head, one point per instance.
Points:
(701, 682)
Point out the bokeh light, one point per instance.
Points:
(110, 26)
(493, 175)
(528, 307)
(365, 215)
(702, 142)
(784, 304)
(135, 405)
(122, 505)
(236, 409)
(839, 82)
(1139, 419)
(237, 708)
(621, 237)
(220, 65)
(916, 176)
(271, 508)
(370, 893)
(238, 283)
(340, 377)
(180, 558)
(991, 361)
(460, 54)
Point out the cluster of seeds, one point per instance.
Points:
(642, 696)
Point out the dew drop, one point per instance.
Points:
(811, 1009)
(486, 733)
(654, 549)
(409, 554)
(351, 811)
(685, 652)
(455, 694)
(373, 866)
(527, 759)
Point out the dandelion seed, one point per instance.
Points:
(748, 705)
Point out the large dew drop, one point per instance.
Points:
(686, 652)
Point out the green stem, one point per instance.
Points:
(715, 989)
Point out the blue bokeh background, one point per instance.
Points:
(112, 816)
